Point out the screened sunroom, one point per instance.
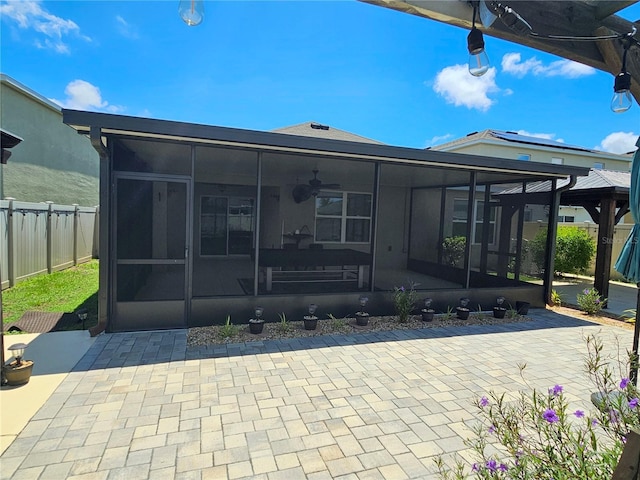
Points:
(200, 222)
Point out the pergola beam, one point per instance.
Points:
(570, 18)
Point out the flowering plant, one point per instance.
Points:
(404, 300)
(540, 436)
(590, 301)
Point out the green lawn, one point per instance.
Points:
(64, 291)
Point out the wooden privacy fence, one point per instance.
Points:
(43, 238)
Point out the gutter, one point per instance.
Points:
(103, 229)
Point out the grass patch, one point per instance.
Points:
(63, 291)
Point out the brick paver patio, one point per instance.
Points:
(369, 406)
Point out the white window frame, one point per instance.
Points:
(557, 160)
(476, 207)
(343, 217)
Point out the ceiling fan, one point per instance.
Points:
(304, 191)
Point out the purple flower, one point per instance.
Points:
(503, 467)
(579, 413)
(475, 468)
(594, 422)
(550, 415)
(586, 291)
(633, 403)
(492, 465)
(556, 390)
(623, 383)
(492, 429)
(402, 288)
(484, 401)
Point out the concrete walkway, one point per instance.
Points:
(54, 355)
(622, 296)
(368, 406)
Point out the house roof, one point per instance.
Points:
(499, 136)
(595, 180)
(318, 130)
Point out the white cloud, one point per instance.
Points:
(438, 139)
(512, 63)
(618, 142)
(82, 95)
(125, 28)
(31, 16)
(460, 88)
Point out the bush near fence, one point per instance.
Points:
(41, 238)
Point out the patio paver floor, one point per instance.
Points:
(372, 406)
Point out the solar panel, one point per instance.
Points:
(516, 137)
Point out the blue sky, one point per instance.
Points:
(262, 65)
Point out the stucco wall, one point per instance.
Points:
(544, 155)
(52, 162)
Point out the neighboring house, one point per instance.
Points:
(199, 222)
(52, 163)
(495, 143)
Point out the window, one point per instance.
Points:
(557, 160)
(343, 217)
(566, 218)
(598, 166)
(524, 156)
(460, 220)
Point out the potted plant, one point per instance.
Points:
(427, 311)
(462, 311)
(257, 324)
(362, 317)
(499, 311)
(19, 371)
(311, 321)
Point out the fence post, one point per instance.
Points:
(11, 271)
(49, 237)
(76, 222)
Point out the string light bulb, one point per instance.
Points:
(191, 11)
(478, 58)
(622, 100)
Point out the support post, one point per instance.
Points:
(49, 237)
(633, 374)
(76, 223)
(604, 248)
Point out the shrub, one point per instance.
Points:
(453, 249)
(403, 301)
(590, 301)
(556, 298)
(574, 250)
(228, 330)
(539, 436)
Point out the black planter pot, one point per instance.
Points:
(463, 313)
(522, 307)
(499, 312)
(310, 323)
(362, 319)
(256, 327)
(427, 315)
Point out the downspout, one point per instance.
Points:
(103, 228)
(551, 237)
